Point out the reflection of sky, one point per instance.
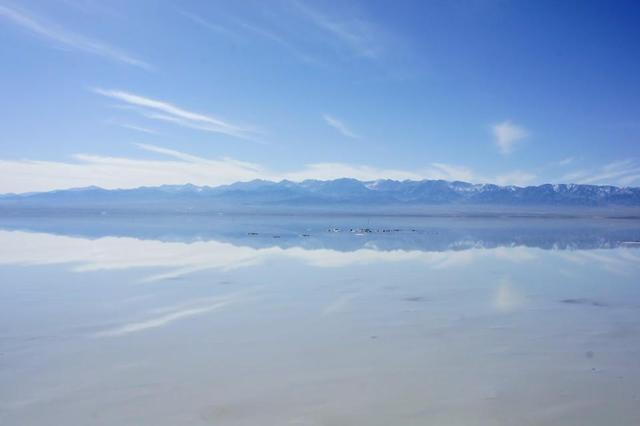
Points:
(179, 258)
(462, 329)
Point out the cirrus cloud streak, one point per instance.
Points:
(164, 111)
(69, 39)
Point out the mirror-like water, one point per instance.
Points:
(319, 321)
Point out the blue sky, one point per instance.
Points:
(124, 94)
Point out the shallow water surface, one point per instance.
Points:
(319, 321)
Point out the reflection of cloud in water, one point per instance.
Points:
(113, 253)
(338, 305)
(624, 262)
(168, 315)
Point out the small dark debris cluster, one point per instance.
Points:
(584, 301)
(366, 230)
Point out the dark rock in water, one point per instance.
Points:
(583, 301)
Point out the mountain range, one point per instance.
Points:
(338, 193)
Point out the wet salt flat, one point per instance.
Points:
(319, 321)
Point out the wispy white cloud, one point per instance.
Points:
(340, 126)
(507, 135)
(118, 172)
(220, 29)
(241, 165)
(238, 30)
(357, 34)
(625, 172)
(518, 178)
(181, 168)
(465, 174)
(138, 128)
(68, 38)
(165, 111)
(326, 171)
(280, 40)
(172, 153)
(452, 172)
(564, 162)
(342, 33)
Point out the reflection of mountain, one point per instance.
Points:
(168, 260)
(343, 233)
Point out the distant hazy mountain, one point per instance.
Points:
(330, 194)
